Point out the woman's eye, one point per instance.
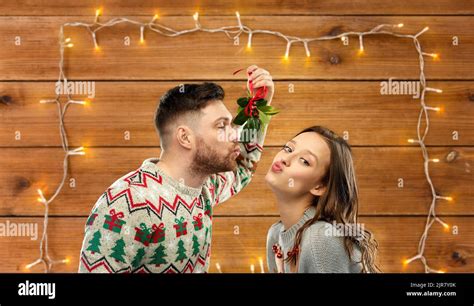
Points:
(221, 127)
(305, 162)
(287, 149)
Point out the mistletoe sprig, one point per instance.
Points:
(253, 112)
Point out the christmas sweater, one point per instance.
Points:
(148, 222)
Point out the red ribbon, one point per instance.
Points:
(156, 227)
(114, 215)
(258, 95)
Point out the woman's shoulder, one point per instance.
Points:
(274, 231)
(324, 234)
(322, 242)
(320, 231)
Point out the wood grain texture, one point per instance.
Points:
(334, 87)
(226, 7)
(359, 108)
(378, 169)
(211, 56)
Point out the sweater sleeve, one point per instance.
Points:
(225, 185)
(110, 244)
(323, 253)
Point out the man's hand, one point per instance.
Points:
(259, 78)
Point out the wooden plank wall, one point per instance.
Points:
(334, 87)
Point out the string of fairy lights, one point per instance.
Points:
(233, 32)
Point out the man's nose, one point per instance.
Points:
(234, 134)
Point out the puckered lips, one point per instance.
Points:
(277, 167)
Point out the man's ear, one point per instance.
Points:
(184, 135)
(318, 190)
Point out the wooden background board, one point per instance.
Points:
(370, 118)
(160, 57)
(334, 87)
(228, 7)
(23, 171)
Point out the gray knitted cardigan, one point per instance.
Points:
(319, 252)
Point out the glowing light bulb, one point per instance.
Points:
(409, 260)
(249, 42)
(444, 198)
(287, 52)
(361, 45)
(98, 12)
(41, 197)
(142, 35)
(260, 262)
(308, 54)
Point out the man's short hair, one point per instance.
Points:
(182, 100)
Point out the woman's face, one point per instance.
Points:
(300, 165)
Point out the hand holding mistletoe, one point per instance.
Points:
(254, 111)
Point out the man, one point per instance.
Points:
(158, 219)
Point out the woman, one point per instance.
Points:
(314, 183)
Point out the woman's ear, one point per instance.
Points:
(319, 190)
(184, 136)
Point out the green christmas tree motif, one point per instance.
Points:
(208, 209)
(158, 257)
(245, 177)
(137, 260)
(118, 250)
(181, 252)
(196, 245)
(94, 243)
(205, 238)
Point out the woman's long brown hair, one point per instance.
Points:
(339, 203)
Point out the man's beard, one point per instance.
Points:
(208, 161)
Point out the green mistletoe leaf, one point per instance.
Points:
(253, 124)
(261, 102)
(269, 110)
(264, 118)
(240, 118)
(243, 101)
